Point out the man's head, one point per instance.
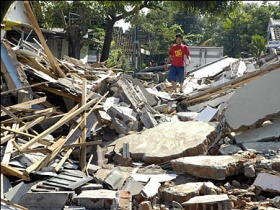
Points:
(179, 39)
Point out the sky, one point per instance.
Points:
(125, 26)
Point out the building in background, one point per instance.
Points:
(273, 33)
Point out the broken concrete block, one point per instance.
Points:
(133, 186)
(254, 102)
(92, 187)
(162, 108)
(249, 170)
(229, 149)
(187, 116)
(181, 193)
(158, 144)
(129, 94)
(115, 179)
(101, 174)
(5, 185)
(262, 147)
(148, 96)
(209, 167)
(124, 201)
(95, 199)
(265, 133)
(103, 117)
(207, 114)
(45, 200)
(15, 193)
(148, 119)
(217, 202)
(268, 182)
(123, 121)
(145, 205)
(184, 192)
(151, 188)
(158, 177)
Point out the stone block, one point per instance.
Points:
(124, 200)
(268, 182)
(209, 167)
(217, 202)
(254, 102)
(45, 200)
(95, 199)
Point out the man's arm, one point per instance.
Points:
(168, 61)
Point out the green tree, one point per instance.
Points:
(159, 24)
(258, 45)
(76, 17)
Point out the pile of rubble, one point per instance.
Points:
(80, 136)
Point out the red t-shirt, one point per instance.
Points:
(178, 52)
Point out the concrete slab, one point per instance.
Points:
(169, 140)
(95, 199)
(268, 182)
(209, 167)
(213, 69)
(207, 114)
(45, 200)
(229, 149)
(187, 116)
(134, 187)
(148, 96)
(5, 185)
(262, 147)
(254, 102)
(151, 188)
(148, 119)
(15, 193)
(183, 192)
(217, 202)
(212, 102)
(265, 133)
(115, 179)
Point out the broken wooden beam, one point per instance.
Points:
(54, 64)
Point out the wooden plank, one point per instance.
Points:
(13, 204)
(27, 86)
(7, 154)
(83, 144)
(71, 147)
(58, 92)
(26, 104)
(10, 171)
(82, 160)
(25, 127)
(71, 114)
(54, 64)
(17, 132)
(32, 62)
(9, 113)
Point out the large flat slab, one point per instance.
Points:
(268, 182)
(217, 202)
(169, 140)
(254, 102)
(209, 167)
(268, 132)
(213, 69)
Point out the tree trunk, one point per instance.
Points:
(108, 39)
(75, 38)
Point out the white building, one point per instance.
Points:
(273, 33)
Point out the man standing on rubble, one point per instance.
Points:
(177, 68)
